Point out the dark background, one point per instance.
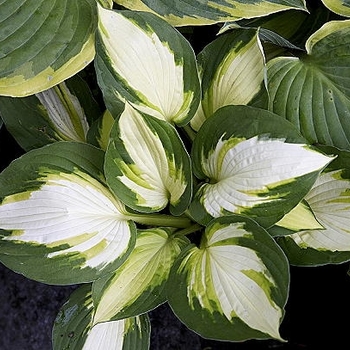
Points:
(317, 312)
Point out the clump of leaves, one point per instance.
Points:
(168, 174)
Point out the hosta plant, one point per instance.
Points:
(160, 166)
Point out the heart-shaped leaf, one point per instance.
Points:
(234, 286)
(57, 213)
(251, 162)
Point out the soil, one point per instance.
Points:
(316, 315)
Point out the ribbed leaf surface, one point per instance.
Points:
(329, 200)
(199, 12)
(57, 213)
(147, 165)
(145, 61)
(234, 286)
(313, 92)
(251, 162)
(231, 71)
(43, 42)
(138, 285)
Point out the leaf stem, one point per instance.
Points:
(161, 220)
(190, 229)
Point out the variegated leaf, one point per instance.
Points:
(42, 43)
(73, 327)
(73, 321)
(300, 218)
(106, 3)
(57, 213)
(126, 334)
(198, 119)
(329, 200)
(313, 91)
(266, 36)
(138, 285)
(200, 12)
(251, 162)
(147, 165)
(27, 121)
(234, 286)
(341, 7)
(65, 113)
(273, 29)
(232, 70)
(145, 61)
(61, 113)
(99, 132)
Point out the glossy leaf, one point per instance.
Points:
(37, 52)
(234, 286)
(200, 12)
(251, 162)
(138, 285)
(57, 213)
(73, 327)
(313, 91)
(147, 165)
(145, 61)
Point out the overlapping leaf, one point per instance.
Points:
(147, 165)
(199, 12)
(138, 285)
(100, 130)
(251, 162)
(73, 327)
(329, 200)
(55, 213)
(44, 42)
(234, 286)
(279, 39)
(144, 60)
(63, 112)
(300, 218)
(313, 92)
